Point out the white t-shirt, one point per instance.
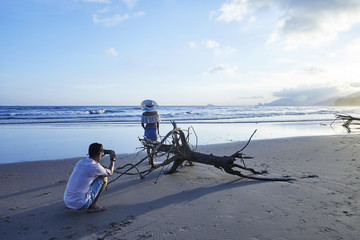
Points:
(77, 191)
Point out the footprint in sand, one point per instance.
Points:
(185, 228)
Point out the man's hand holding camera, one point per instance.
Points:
(111, 152)
(112, 159)
(112, 156)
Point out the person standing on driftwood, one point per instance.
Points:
(150, 121)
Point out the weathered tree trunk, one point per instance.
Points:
(348, 121)
(181, 151)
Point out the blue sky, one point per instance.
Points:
(178, 52)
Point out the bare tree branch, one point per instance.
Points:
(179, 150)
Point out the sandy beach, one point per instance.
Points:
(198, 202)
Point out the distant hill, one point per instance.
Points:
(351, 100)
(328, 102)
(296, 102)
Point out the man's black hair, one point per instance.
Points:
(95, 149)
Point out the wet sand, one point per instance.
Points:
(198, 202)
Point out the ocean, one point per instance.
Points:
(29, 133)
(180, 114)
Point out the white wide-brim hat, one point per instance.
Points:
(149, 105)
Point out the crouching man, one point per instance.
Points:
(88, 180)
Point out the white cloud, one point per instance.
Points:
(331, 54)
(108, 22)
(224, 50)
(285, 60)
(210, 43)
(301, 23)
(111, 52)
(353, 47)
(222, 68)
(314, 70)
(193, 44)
(316, 23)
(130, 3)
(356, 85)
(252, 19)
(237, 10)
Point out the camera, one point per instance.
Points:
(106, 151)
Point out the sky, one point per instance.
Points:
(177, 52)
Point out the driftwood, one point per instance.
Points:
(179, 151)
(348, 120)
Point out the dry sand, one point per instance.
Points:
(198, 202)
